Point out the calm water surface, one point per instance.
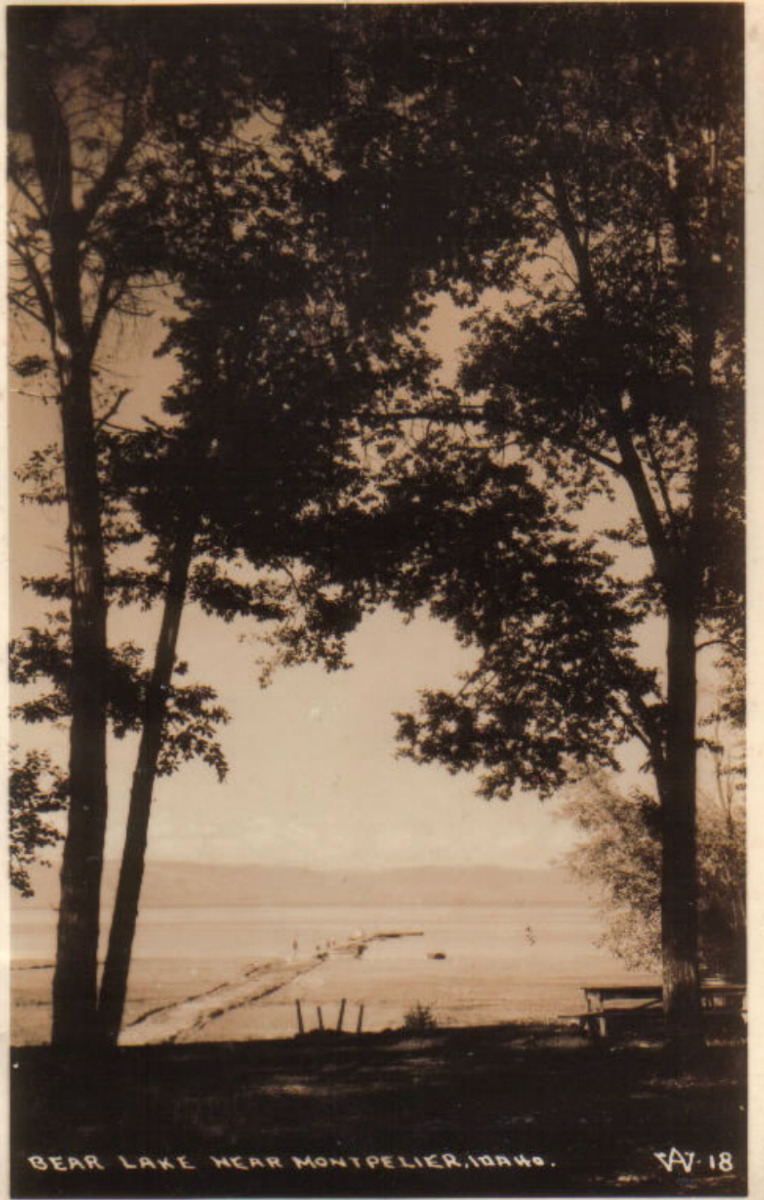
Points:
(513, 962)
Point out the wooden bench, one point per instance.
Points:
(638, 1008)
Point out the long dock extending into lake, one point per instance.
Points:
(183, 1020)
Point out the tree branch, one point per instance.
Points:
(106, 418)
(606, 347)
(104, 304)
(604, 460)
(28, 309)
(658, 473)
(710, 642)
(25, 192)
(132, 130)
(47, 315)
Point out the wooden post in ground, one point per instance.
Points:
(359, 1026)
(341, 1016)
(300, 1026)
(320, 1018)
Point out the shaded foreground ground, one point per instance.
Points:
(512, 1110)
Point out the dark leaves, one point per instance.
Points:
(192, 715)
(36, 789)
(30, 365)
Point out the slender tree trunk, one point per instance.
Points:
(75, 980)
(60, 300)
(124, 919)
(676, 771)
(679, 889)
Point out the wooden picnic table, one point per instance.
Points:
(633, 1006)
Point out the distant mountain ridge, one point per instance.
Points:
(206, 885)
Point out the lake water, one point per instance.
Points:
(501, 963)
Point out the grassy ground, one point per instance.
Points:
(513, 1110)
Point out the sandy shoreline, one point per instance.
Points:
(217, 976)
(160, 1008)
(187, 1020)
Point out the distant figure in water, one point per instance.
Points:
(530, 936)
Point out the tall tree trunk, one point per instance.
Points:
(75, 980)
(679, 888)
(124, 919)
(60, 301)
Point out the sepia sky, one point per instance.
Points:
(314, 777)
